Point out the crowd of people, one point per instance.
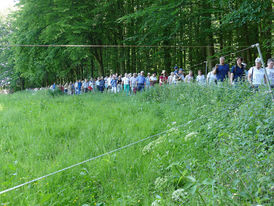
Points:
(132, 83)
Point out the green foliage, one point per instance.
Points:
(220, 25)
(218, 150)
(55, 92)
(8, 77)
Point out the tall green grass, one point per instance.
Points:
(215, 158)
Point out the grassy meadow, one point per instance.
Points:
(218, 150)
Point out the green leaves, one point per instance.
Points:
(217, 24)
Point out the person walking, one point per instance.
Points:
(126, 83)
(171, 79)
(148, 81)
(237, 71)
(76, 87)
(153, 79)
(222, 71)
(270, 71)
(180, 76)
(141, 81)
(200, 79)
(101, 84)
(114, 83)
(133, 83)
(211, 78)
(79, 86)
(189, 78)
(85, 86)
(119, 84)
(256, 74)
(163, 78)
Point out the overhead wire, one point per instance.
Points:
(112, 46)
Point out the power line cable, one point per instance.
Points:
(111, 46)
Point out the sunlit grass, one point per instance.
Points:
(41, 133)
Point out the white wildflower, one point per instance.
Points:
(190, 135)
(160, 182)
(148, 148)
(173, 129)
(179, 195)
(173, 123)
(156, 203)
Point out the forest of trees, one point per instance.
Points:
(156, 30)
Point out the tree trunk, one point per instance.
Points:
(167, 56)
(92, 67)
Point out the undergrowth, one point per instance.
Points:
(217, 151)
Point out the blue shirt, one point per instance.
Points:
(141, 80)
(79, 84)
(222, 72)
(114, 82)
(102, 83)
(238, 73)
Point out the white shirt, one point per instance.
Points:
(85, 85)
(152, 78)
(126, 81)
(109, 81)
(270, 74)
(211, 77)
(201, 79)
(188, 78)
(133, 81)
(171, 80)
(258, 75)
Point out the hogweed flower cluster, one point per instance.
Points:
(160, 182)
(190, 135)
(156, 203)
(179, 195)
(148, 148)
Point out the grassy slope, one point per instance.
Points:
(220, 159)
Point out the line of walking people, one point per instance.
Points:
(132, 83)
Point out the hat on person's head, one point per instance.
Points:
(181, 69)
(164, 71)
(258, 60)
(176, 67)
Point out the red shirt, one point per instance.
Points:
(163, 79)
